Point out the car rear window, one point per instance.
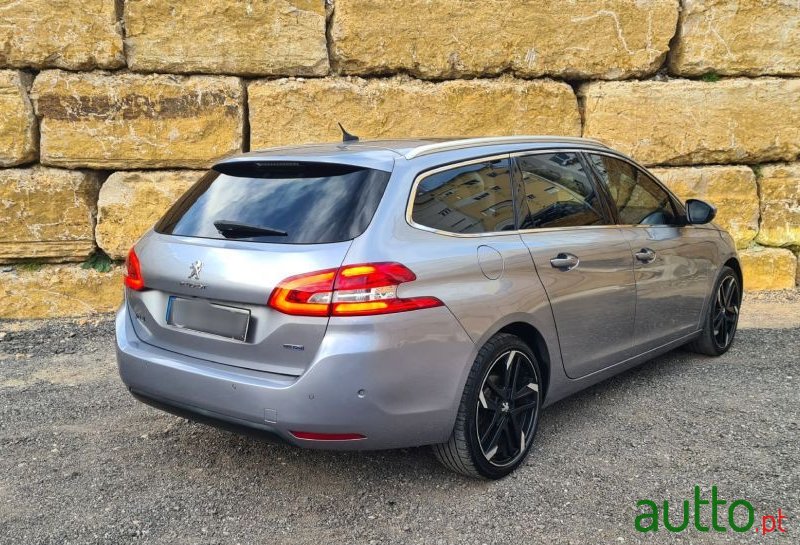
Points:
(301, 203)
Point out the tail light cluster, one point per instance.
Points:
(352, 290)
(133, 272)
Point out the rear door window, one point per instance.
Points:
(557, 192)
(278, 202)
(474, 198)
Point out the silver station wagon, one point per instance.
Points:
(383, 294)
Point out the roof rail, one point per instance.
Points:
(464, 143)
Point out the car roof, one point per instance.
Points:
(381, 154)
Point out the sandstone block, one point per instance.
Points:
(746, 37)
(779, 186)
(19, 140)
(55, 291)
(76, 35)
(277, 37)
(296, 111)
(125, 121)
(768, 269)
(607, 39)
(47, 214)
(731, 189)
(682, 122)
(131, 202)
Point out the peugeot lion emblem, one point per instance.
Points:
(194, 270)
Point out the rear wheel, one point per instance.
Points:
(722, 317)
(499, 411)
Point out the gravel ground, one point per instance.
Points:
(83, 462)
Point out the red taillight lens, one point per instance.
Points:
(372, 275)
(352, 290)
(133, 275)
(304, 294)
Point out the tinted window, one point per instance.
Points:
(309, 202)
(639, 199)
(558, 193)
(467, 199)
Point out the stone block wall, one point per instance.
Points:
(110, 109)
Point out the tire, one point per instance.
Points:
(502, 400)
(722, 316)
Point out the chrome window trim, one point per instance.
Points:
(572, 228)
(421, 176)
(428, 173)
(451, 145)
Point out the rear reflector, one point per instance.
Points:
(327, 436)
(365, 289)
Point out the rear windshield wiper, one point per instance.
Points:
(235, 229)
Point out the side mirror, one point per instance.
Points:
(699, 212)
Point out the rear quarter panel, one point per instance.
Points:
(447, 267)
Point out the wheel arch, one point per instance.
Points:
(534, 339)
(733, 263)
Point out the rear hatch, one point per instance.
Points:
(211, 263)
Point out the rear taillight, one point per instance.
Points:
(352, 290)
(133, 274)
(304, 294)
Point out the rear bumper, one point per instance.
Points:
(196, 414)
(396, 380)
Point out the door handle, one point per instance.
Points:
(565, 261)
(645, 255)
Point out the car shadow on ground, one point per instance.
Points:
(257, 452)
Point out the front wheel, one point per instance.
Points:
(722, 317)
(499, 411)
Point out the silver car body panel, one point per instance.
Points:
(593, 304)
(398, 378)
(235, 273)
(671, 290)
(365, 378)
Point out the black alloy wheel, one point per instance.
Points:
(726, 312)
(722, 315)
(499, 411)
(507, 408)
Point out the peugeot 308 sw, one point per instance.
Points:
(371, 295)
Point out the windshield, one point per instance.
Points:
(278, 202)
